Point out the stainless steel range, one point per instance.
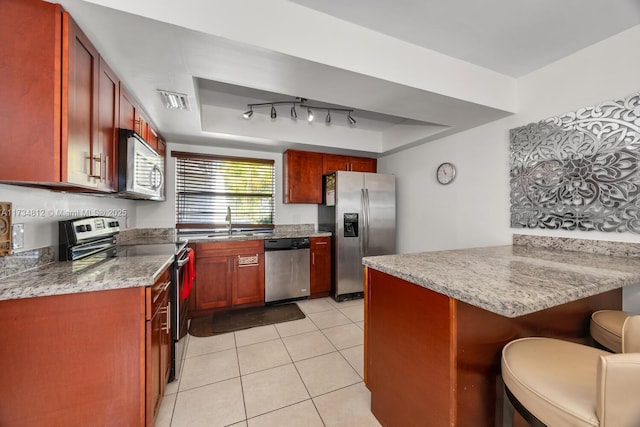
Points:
(90, 240)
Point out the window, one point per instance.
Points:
(206, 186)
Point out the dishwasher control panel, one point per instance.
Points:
(287, 244)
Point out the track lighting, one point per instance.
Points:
(294, 114)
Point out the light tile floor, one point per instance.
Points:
(302, 373)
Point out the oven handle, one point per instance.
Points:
(184, 258)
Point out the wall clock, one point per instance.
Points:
(445, 173)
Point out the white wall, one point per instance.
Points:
(474, 210)
(40, 210)
(162, 214)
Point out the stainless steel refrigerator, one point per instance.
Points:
(360, 210)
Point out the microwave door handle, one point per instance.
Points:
(156, 170)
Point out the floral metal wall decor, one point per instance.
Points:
(579, 171)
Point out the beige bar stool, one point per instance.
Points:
(553, 382)
(606, 328)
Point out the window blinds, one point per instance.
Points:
(207, 185)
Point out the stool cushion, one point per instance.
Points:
(554, 379)
(606, 328)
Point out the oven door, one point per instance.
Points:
(179, 314)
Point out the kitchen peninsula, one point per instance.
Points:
(435, 323)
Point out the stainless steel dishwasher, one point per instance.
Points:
(286, 269)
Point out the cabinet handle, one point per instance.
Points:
(313, 258)
(319, 243)
(248, 261)
(96, 159)
(167, 325)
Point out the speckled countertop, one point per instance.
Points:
(70, 277)
(512, 280)
(148, 253)
(256, 236)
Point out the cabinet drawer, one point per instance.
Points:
(320, 243)
(204, 250)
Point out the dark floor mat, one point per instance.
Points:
(235, 320)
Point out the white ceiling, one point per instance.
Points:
(413, 70)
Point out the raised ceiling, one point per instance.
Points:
(413, 70)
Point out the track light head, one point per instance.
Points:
(294, 114)
(309, 115)
(352, 121)
(273, 112)
(248, 114)
(328, 119)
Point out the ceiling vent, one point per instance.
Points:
(175, 100)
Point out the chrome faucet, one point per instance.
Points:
(228, 219)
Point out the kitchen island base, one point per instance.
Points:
(432, 360)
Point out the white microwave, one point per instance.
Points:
(140, 168)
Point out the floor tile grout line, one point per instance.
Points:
(244, 400)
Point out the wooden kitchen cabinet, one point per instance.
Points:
(228, 274)
(50, 81)
(108, 121)
(320, 262)
(303, 171)
(86, 359)
(158, 342)
(302, 177)
(332, 163)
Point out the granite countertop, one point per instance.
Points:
(512, 280)
(90, 274)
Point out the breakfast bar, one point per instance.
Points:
(436, 322)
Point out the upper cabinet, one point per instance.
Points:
(51, 84)
(303, 172)
(61, 102)
(302, 177)
(332, 163)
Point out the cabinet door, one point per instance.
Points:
(155, 380)
(248, 283)
(363, 164)
(31, 88)
(302, 177)
(152, 138)
(108, 118)
(213, 282)
(80, 65)
(332, 163)
(127, 110)
(320, 266)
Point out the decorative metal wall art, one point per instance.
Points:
(579, 171)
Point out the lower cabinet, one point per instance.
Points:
(85, 359)
(229, 274)
(320, 261)
(158, 339)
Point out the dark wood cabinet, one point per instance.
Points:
(303, 171)
(229, 274)
(302, 177)
(320, 266)
(332, 163)
(108, 121)
(158, 343)
(50, 78)
(74, 360)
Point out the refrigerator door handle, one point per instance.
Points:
(367, 218)
(363, 209)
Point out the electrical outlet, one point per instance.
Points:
(17, 231)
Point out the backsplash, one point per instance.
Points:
(599, 247)
(157, 235)
(22, 261)
(294, 228)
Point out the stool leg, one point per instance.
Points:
(507, 410)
